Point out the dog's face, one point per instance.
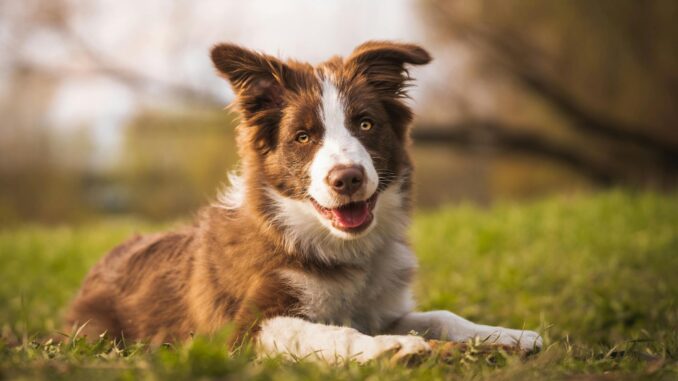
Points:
(328, 139)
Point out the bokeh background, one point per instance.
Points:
(113, 108)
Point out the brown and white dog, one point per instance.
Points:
(307, 251)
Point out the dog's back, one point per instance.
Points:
(138, 289)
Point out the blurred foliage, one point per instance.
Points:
(172, 165)
(445, 175)
(593, 83)
(169, 165)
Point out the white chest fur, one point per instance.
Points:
(368, 297)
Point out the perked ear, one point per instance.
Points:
(383, 64)
(259, 81)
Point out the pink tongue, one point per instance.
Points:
(351, 216)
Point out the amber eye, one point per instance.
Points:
(303, 138)
(366, 125)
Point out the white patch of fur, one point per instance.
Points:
(295, 338)
(369, 297)
(233, 196)
(311, 234)
(444, 325)
(339, 147)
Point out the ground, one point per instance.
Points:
(596, 274)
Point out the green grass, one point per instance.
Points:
(598, 275)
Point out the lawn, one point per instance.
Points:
(596, 274)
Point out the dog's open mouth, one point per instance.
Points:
(353, 217)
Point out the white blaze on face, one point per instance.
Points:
(338, 147)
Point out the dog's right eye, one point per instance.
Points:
(366, 125)
(303, 138)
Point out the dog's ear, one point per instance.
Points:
(257, 79)
(383, 64)
(260, 82)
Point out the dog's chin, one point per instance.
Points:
(348, 221)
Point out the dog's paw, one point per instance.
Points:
(530, 340)
(526, 340)
(397, 348)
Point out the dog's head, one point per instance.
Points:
(327, 140)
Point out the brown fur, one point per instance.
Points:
(225, 269)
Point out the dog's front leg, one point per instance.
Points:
(444, 325)
(296, 338)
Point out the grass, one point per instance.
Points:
(596, 274)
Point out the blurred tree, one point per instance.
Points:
(591, 84)
(172, 162)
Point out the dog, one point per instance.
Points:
(306, 253)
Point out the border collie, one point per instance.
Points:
(307, 252)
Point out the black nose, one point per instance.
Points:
(346, 180)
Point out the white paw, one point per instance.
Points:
(527, 340)
(394, 347)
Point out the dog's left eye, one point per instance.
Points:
(366, 125)
(303, 138)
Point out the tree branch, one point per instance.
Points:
(478, 133)
(525, 64)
